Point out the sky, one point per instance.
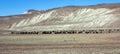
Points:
(13, 7)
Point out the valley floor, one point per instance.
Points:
(60, 44)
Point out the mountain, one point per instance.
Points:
(65, 18)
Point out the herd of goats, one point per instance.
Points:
(90, 31)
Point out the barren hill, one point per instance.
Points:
(65, 18)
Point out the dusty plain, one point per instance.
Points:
(108, 43)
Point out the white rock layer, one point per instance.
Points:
(81, 18)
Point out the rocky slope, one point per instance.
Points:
(65, 18)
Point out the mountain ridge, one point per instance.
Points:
(58, 15)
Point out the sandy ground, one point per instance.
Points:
(60, 44)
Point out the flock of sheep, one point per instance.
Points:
(69, 32)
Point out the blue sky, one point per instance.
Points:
(12, 7)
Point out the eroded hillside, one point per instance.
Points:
(65, 18)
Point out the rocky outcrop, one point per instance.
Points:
(65, 18)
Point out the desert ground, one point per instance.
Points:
(108, 43)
